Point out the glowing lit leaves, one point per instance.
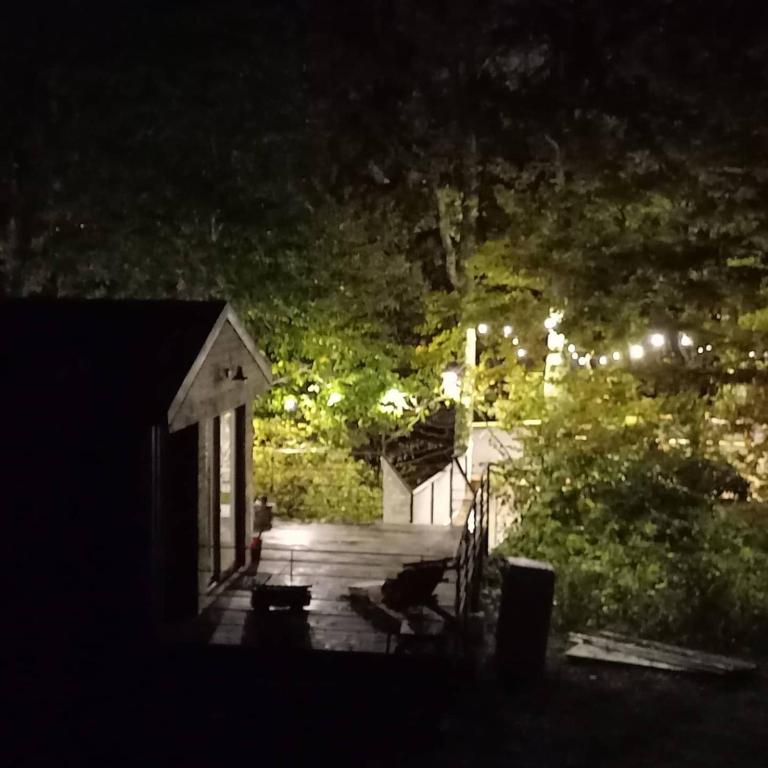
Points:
(395, 402)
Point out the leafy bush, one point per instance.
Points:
(317, 484)
(639, 544)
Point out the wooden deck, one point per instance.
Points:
(327, 558)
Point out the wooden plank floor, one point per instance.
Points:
(328, 558)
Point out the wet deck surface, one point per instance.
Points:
(328, 559)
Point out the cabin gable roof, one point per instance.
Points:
(136, 358)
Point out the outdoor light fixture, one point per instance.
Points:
(574, 355)
(708, 347)
(685, 340)
(571, 347)
(507, 331)
(482, 328)
(290, 404)
(603, 359)
(700, 350)
(515, 341)
(616, 356)
(752, 354)
(658, 340)
(582, 360)
(334, 398)
(636, 352)
(451, 382)
(522, 352)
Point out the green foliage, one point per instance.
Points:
(635, 537)
(318, 485)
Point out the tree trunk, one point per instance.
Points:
(469, 200)
(449, 249)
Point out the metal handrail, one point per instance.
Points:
(471, 552)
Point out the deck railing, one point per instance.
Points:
(471, 552)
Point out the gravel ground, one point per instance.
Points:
(201, 708)
(601, 715)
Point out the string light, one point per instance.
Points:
(658, 340)
(636, 351)
(553, 320)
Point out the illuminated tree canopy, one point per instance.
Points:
(363, 184)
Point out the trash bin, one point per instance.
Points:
(262, 515)
(527, 592)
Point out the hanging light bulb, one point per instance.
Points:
(708, 347)
(582, 360)
(700, 350)
(515, 341)
(553, 320)
(603, 359)
(522, 352)
(636, 352)
(571, 347)
(574, 355)
(685, 340)
(482, 328)
(752, 354)
(616, 356)
(451, 383)
(657, 340)
(507, 331)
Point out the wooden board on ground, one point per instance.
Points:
(618, 649)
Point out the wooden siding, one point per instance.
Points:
(212, 392)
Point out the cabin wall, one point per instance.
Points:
(177, 578)
(84, 532)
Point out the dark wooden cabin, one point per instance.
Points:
(125, 458)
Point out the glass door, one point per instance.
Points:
(226, 491)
